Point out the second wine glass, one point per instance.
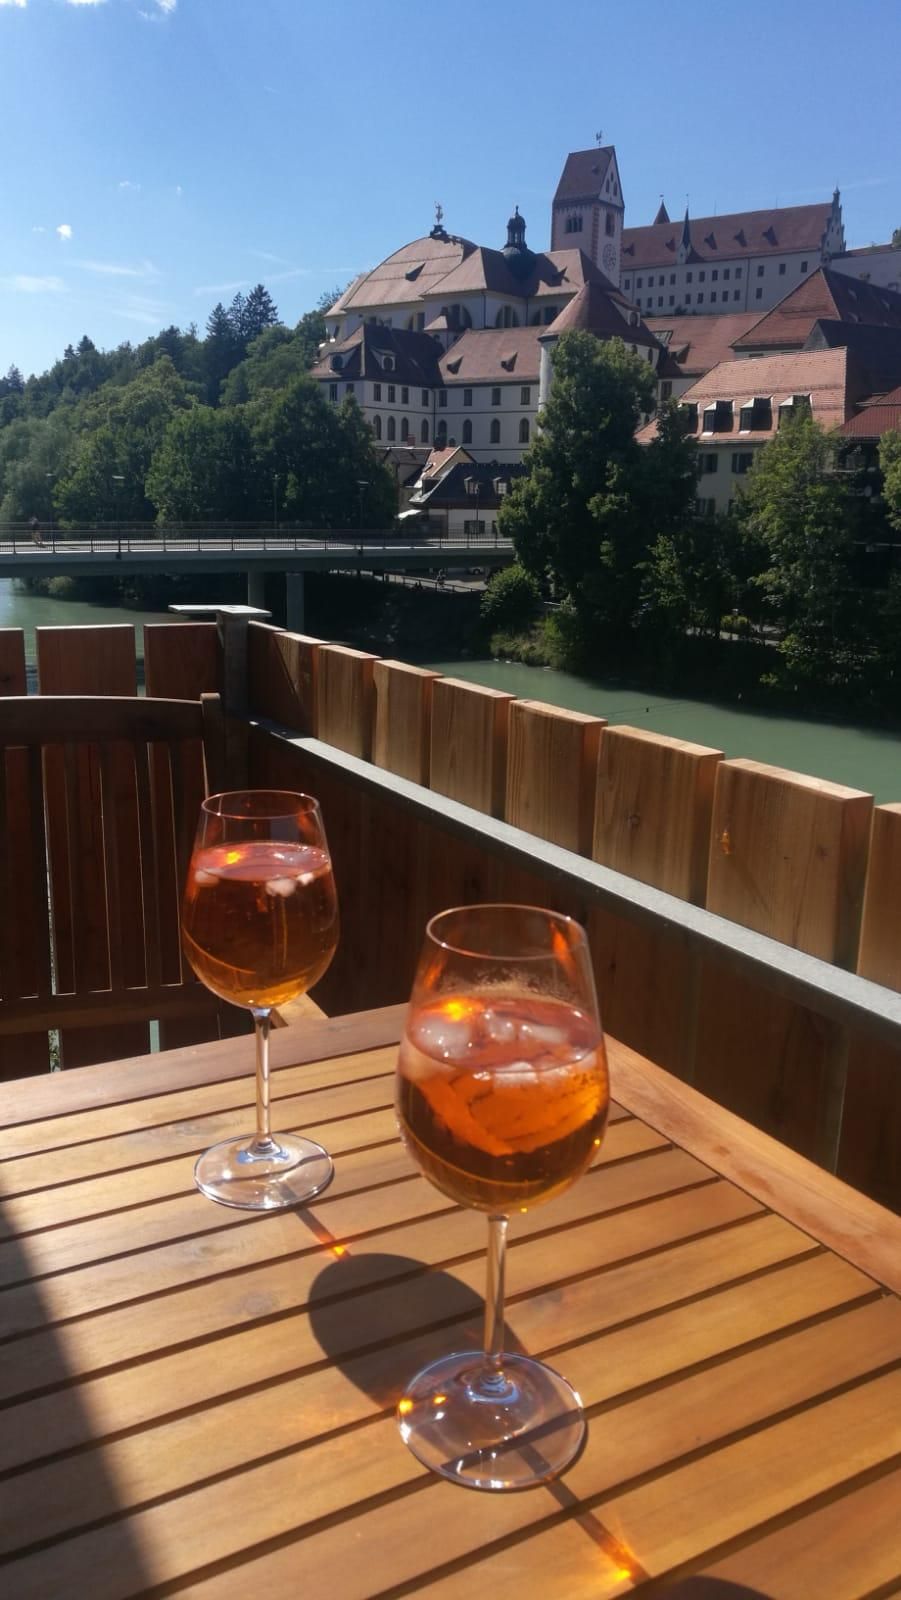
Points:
(259, 927)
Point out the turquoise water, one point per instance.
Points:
(863, 758)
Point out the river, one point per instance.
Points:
(865, 758)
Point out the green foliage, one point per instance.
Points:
(204, 467)
(273, 360)
(594, 499)
(120, 430)
(890, 463)
(322, 454)
(511, 599)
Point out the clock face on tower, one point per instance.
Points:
(609, 258)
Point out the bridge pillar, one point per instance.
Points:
(256, 589)
(294, 602)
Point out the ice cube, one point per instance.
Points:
(281, 886)
(444, 1039)
(306, 878)
(500, 1029)
(549, 1038)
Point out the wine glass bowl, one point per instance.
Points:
(259, 928)
(502, 1100)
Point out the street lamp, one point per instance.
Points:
(362, 483)
(275, 478)
(118, 479)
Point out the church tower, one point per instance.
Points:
(588, 209)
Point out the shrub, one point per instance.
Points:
(510, 601)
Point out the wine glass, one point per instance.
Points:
(259, 927)
(502, 1100)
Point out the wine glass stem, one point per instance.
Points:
(264, 1143)
(494, 1291)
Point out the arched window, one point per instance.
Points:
(467, 432)
(392, 430)
(523, 430)
(424, 432)
(495, 430)
(507, 318)
(377, 427)
(404, 428)
(388, 363)
(441, 434)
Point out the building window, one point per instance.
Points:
(672, 278)
(718, 417)
(758, 294)
(523, 430)
(736, 294)
(376, 391)
(782, 269)
(742, 462)
(392, 428)
(609, 224)
(348, 388)
(388, 363)
(701, 277)
(688, 299)
(442, 397)
(712, 295)
(391, 394)
(688, 277)
(705, 508)
(404, 428)
(714, 275)
(405, 396)
(467, 397)
(467, 432)
(756, 414)
(525, 396)
(760, 272)
(424, 431)
(660, 299)
(441, 434)
(573, 225)
(495, 397)
(710, 463)
(700, 299)
(639, 282)
(377, 427)
(425, 397)
(737, 273)
(495, 431)
(333, 391)
(507, 318)
(672, 299)
(803, 266)
(666, 389)
(726, 272)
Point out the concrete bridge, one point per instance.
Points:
(105, 552)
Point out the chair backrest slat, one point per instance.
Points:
(112, 883)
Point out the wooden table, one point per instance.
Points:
(200, 1401)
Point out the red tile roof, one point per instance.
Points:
(406, 275)
(823, 374)
(880, 415)
(493, 355)
(554, 272)
(825, 295)
(595, 310)
(729, 238)
(583, 174)
(415, 356)
(696, 344)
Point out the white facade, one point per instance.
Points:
(724, 467)
(880, 266)
(752, 285)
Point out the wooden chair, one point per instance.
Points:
(98, 804)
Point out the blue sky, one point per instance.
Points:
(160, 154)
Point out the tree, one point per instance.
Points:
(204, 467)
(511, 599)
(896, 239)
(796, 508)
(121, 427)
(320, 455)
(221, 351)
(586, 512)
(273, 360)
(890, 462)
(258, 313)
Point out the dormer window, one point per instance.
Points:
(337, 363)
(718, 417)
(756, 415)
(387, 363)
(689, 408)
(794, 405)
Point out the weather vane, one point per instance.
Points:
(439, 213)
(599, 137)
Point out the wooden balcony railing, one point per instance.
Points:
(742, 918)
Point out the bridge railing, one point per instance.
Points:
(135, 538)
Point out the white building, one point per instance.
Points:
(442, 342)
(878, 264)
(744, 261)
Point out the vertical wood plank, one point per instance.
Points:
(552, 764)
(403, 719)
(78, 661)
(26, 969)
(181, 660)
(653, 811)
(788, 858)
(344, 694)
(879, 954)
(468, 757)
(282, 673)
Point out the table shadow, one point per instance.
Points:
(701, 1588)
(34, 1363)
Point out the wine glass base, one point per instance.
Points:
(486, 1430)
(293, 1172)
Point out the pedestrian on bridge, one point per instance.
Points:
(36, 534)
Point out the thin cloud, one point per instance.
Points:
(126, 183)
(38, 228)
(25, 283)
(116, 269)
(65, 230)
(223, 288)
(179, 190)
(165, 8)
(86, 2)
(267, 255)
(19, 4)
(148, 319)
